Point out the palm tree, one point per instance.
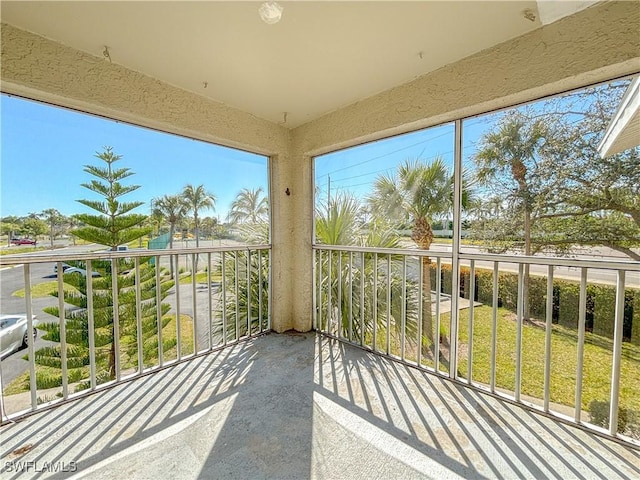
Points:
(508, 157)
(173, 209)
(249, 206)
(416, 193)
(337, 224)
(344, 275)
(196, 199)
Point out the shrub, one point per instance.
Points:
(600, 313)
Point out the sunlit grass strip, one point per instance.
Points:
(597, 360)
(201, 277)
(45, 289)
(17, 251)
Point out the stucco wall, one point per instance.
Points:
(41, 69)
(44, 70)
(596, 44)
(599, 43)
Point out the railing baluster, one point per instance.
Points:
(260, 290)
(116, 318)
(249, 310)
(339, 282)
(224, 299)
(547, 339)
(329, 292)
(420, 293)
(494, 326)
(419, 325)
(436, 354)
(520, 314)
(362, 275)
(139, 333)
(388, 304)
(178, 319)
(210, 300)
(472, 295)
(270, 296)
(582, 313)
(375, 302)
(617, 354)
(90, 324)
(319, 308)
(159, 310)
(32, 359)
(194, 302)
(237, 292)
(350, 297)
(63, 333)
(403, 314)
(314, 290)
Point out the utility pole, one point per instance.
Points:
(329, 190)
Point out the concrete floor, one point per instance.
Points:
(300, 406)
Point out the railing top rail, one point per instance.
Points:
(385, 251)
(629, 265)
(622, 264)
(37, 257)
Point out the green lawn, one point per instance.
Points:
(201, 277)
(44, 289)
(18, 250)
(598, 360)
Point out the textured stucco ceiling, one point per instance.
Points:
(321, 56)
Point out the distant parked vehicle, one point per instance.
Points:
(22, 241)
(13, 333)
(65, 267)
(81, 271)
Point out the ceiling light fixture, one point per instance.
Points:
(270, 12)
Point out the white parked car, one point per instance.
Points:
(13, 333)
(81, 271)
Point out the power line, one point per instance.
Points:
(379, 171)
(389, 153)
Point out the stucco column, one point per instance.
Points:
(292, 217)
(302, 275)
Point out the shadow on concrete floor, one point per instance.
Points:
(301, 406)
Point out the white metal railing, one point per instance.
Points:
(356, 286)
(216, 296)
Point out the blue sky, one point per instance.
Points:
(44, 150)
(354, 170)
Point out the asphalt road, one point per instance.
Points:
(12, 279)
(608, 277)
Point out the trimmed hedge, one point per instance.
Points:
(600, 313)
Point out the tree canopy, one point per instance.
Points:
(560, 193)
